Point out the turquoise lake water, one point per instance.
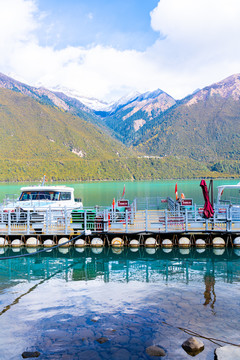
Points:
(102, 193)
(62, 301)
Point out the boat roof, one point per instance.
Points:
(47, 188)
(236, 186)
(221, 189)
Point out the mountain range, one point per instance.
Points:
(141, 136)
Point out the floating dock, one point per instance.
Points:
(140, 224)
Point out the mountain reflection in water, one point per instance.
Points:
(125, 265)
(138, 298)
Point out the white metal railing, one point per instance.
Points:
(67, 221)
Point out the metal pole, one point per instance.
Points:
(166, 225)
(85, 220)
(132, 215)
(28, 222)
(47, 220)
(105, 218)
(50, 215)
(211, 187)
(9, 222)
(66, 220)
(186, 219)
(126, 221)
(229, 219)
(146, 220)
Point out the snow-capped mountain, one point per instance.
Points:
(92, 103)
(131, 113)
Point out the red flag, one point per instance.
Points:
(113, 203)
(176, 191)
(123, 191)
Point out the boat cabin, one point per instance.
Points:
(229, 195)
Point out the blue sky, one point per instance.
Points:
(109, 48)
(120, 24)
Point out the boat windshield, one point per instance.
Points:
(229, 196)
(44, 195)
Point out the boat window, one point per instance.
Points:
(56, 196)
(24, 196)
(65, 196)
(39, 195)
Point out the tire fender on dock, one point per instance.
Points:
(32, 242)
(236, 242)
(134, 243)
(80, 243)
(97, 242)
(167, 243)
(200, 243)
(184, 242)
(48, 243)
(3, 242)
(64, 240)
(16, 243)
(117, 242)
(150, 242)
(218, 242)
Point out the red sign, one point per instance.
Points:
(123, 203)
(186, 202)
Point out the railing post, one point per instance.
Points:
(47, 221)
(66, 220)
(132, 215)
(28, 222)
(186, 220)
(105, 220)
(214, 220)
(9, 222)
(166, 224)
(126, 214)
(146, 220)
(230, 219)
(85, 220)
(50, 216)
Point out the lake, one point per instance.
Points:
(114, 304)
(102, 193)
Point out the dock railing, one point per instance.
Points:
(133, 219)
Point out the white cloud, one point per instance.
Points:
(201, 39)
(197, 45)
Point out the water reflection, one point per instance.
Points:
(144, 297)
(209, 280)
(113, 264)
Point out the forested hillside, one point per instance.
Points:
(195, 137)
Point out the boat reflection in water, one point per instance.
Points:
(61, 303)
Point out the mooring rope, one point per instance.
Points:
(42, 250)
(190, 332)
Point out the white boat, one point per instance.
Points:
(229, 195)
(38, 198)
(228, 202)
